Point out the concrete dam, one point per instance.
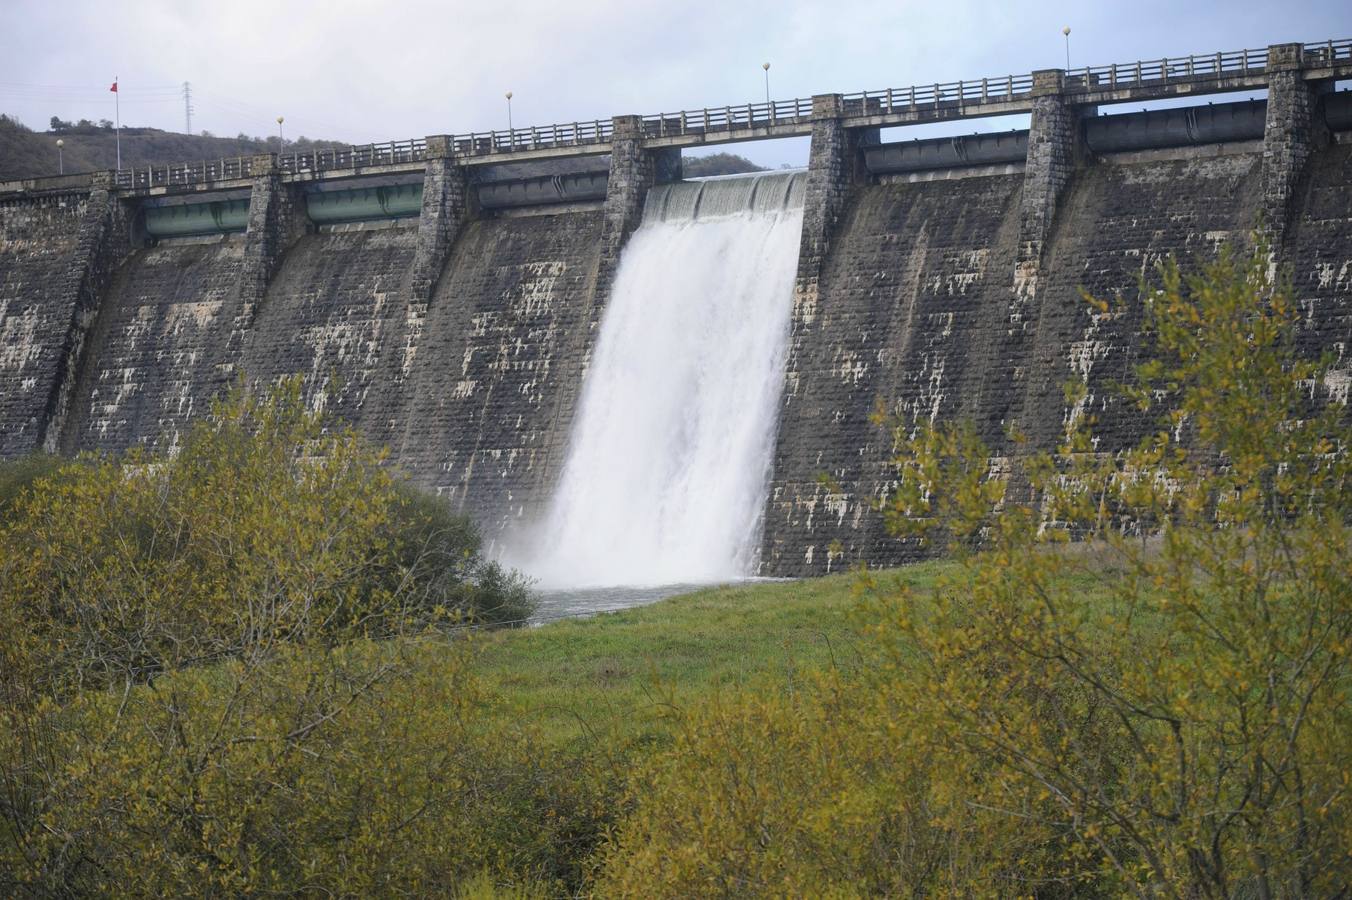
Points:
(518, 315)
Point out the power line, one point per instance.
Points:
(187, 108)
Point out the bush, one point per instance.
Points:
(266, 528)
(354, 771)
(1189, 718)
(443, 550)
(18, 476)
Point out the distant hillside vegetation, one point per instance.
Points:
(717, 164)
(89, 146)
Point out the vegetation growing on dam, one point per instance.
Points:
(1159, 708)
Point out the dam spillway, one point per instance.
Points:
(449, 296)
(669, 459)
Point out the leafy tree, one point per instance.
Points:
(717, 164)
(1173, 693)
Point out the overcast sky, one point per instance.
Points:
(366, 70)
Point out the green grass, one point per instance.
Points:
(622, 674)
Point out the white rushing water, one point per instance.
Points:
(670, 453)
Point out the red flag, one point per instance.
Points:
(114, 87)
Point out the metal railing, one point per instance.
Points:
(1162, 71)
(185, 173)
(571, 134)
(388, 153)
(714, 120)
(728, 118)
(1328, 51)
(938, 96)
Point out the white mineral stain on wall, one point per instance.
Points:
(198, 316)
(1338, 382)
(19, 341)
(848, 366)
(1335, 277)
(534, 295)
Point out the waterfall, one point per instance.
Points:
(671, 448)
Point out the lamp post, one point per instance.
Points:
(508, 95)
(766, 67)
(1066, 31)
(60, 160)
(281, 141)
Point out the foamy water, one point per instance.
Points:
(669, 459)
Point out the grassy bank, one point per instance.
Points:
(620, 674)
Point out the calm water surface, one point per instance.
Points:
(581, 602)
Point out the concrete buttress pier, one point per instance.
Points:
(1290, 135)
(633, 170)
(1052, 135)
(446, 205)
(834, 166)
(102, 243)
(276, 220)
(1054, 147)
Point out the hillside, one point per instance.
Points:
(717, 164)
(25, 153)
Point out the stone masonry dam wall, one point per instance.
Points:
(38, 242)
(447, 307)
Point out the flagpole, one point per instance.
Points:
(117, 105)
